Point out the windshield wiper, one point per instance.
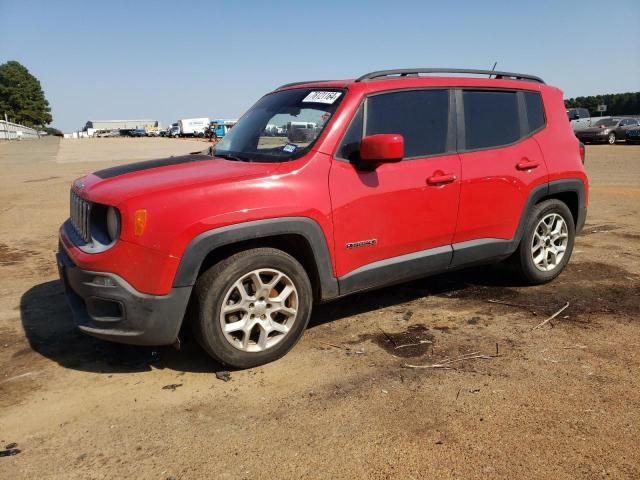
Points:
(229, 156)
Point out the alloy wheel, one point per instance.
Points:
(259, 310)
(549, 243)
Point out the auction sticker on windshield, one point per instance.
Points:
(322, 97)
(289, 148)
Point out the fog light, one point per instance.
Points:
(139, 222)
(103, 281)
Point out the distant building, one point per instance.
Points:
(110, 125)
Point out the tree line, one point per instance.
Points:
(617, 103)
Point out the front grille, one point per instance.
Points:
(81, 216)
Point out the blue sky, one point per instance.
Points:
(168, 59)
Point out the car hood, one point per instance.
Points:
(115, 185)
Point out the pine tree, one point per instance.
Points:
(21, 96)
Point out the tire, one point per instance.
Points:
(260, 310)
(611, 139)
(524, 259)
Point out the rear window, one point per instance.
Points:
(490, 119)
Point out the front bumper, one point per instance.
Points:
(592, 138)
(106, 306)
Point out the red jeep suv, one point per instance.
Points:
(322, 189)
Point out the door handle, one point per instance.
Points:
(527, 164)
(441, 179)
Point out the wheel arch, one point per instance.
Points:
(300, 237)
(570, 191)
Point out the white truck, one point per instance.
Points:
(580, 118)
(193, 127)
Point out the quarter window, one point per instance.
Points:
(420, 116)
(535, 110)
(490, 119)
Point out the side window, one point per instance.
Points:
(350, 146)
(584, 113)
(535, 110)
(490, 118)
(420, 116)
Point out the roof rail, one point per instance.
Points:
(405, 72)
(300, 83)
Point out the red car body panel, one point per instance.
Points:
(493, 190)
(559, 145)
(394, 206)
(186, 200)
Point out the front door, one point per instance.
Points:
(393, 222)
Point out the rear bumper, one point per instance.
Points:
(104, 305)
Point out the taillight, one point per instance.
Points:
(582, 152)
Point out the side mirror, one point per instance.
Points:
(382, 148)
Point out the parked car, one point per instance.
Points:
(579, 118)
(632, 135)
(406, 176)
(607, 130)
(133, 132)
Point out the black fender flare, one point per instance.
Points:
(206, 242)
(571, 185)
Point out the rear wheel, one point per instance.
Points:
(252, 307)
(547, 243)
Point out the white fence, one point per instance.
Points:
(14, 131)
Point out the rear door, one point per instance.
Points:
(399, 208)
(501, 163)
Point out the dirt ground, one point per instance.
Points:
(562, 401)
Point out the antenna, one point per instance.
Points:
(493, 68)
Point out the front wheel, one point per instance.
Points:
(547, 243)
(252, 307)
(612, 138)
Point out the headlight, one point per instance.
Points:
(113, 223)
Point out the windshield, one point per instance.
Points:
(607, 122)
(281, 126)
